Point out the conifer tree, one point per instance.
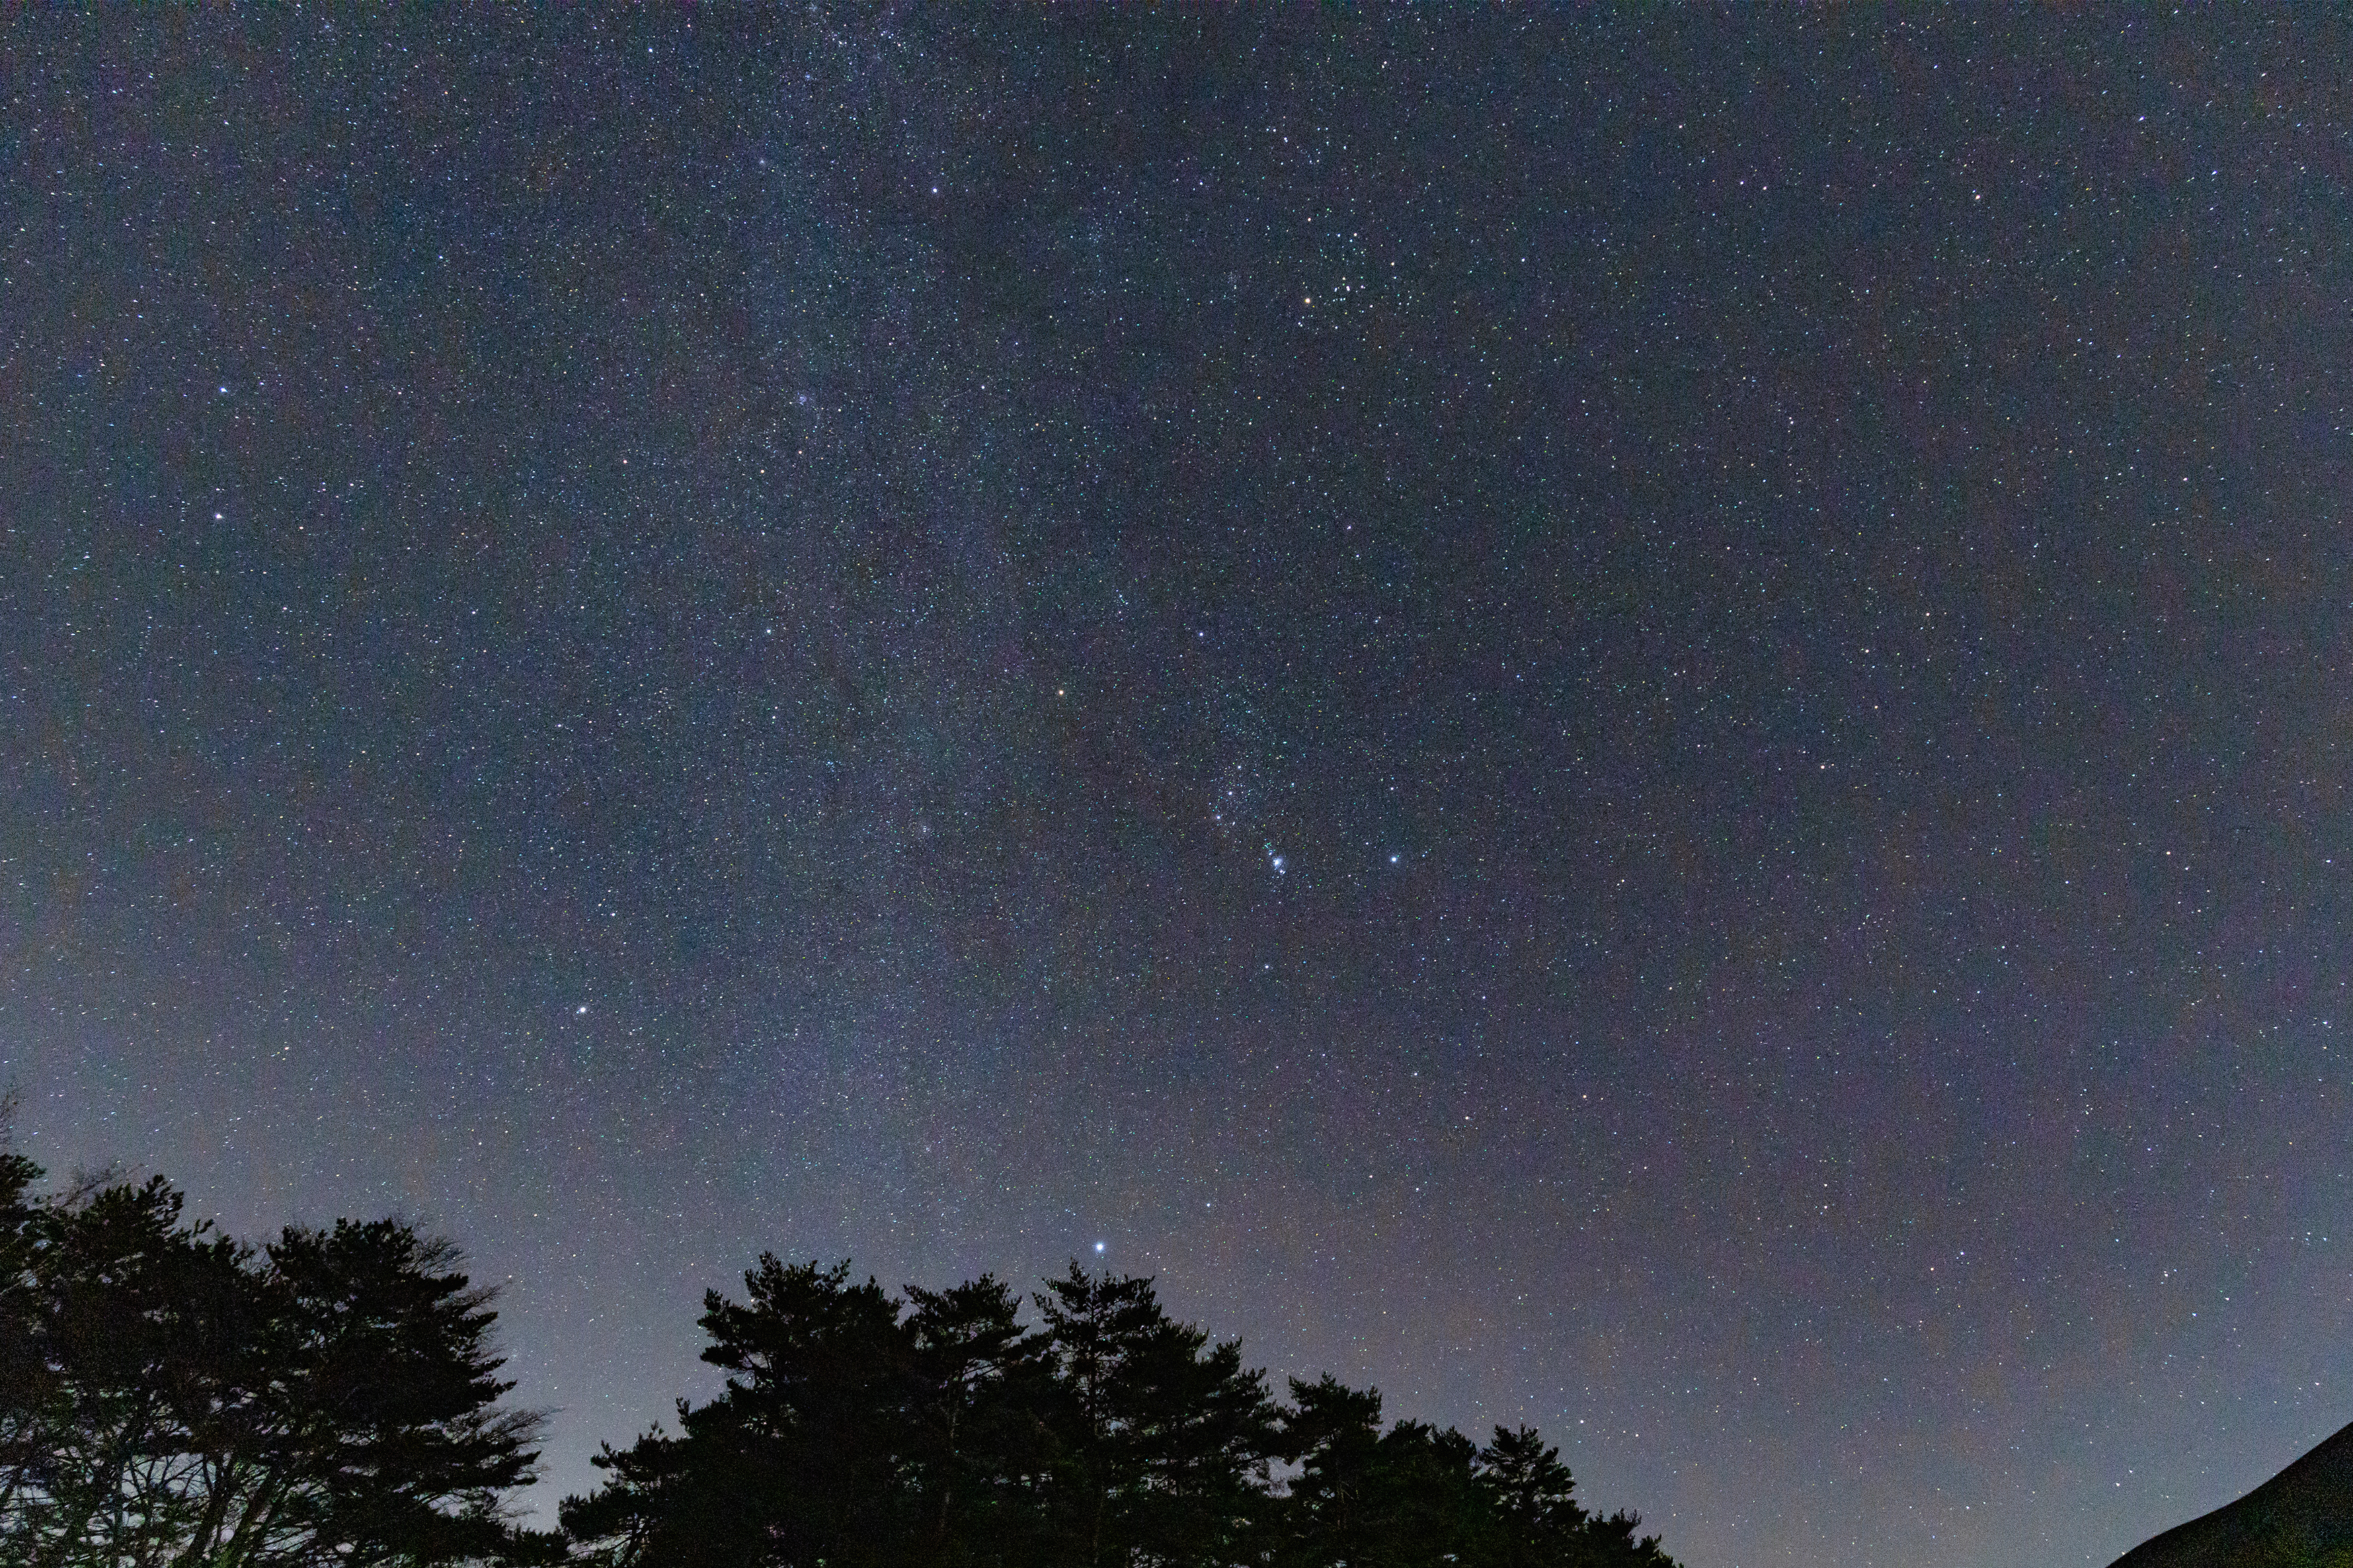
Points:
(798, 1461)
(858, 1427)
(1168, 1436)
(982, 1447)
(170, 1398)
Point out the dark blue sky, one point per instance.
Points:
(1635, 724)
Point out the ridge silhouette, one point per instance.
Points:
(2301, 1518)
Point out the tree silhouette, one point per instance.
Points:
(859, 1427)
(26, 1384)
(982, 1444)
(800, 1459)
(170, 1398)
(1537, 1520)
(1168, 1438)
(1332, 1434)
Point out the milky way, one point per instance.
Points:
(1634, 724)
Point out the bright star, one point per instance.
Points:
(581, 1011)
(1099, 1246)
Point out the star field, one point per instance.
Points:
(1635, 723)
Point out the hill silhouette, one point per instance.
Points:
(2301, 1518)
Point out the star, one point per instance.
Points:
(962, 956)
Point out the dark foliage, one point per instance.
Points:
(857, 1427)
(170, 1398)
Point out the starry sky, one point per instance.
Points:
(1633, 722)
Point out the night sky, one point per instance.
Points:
(1639, 724)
